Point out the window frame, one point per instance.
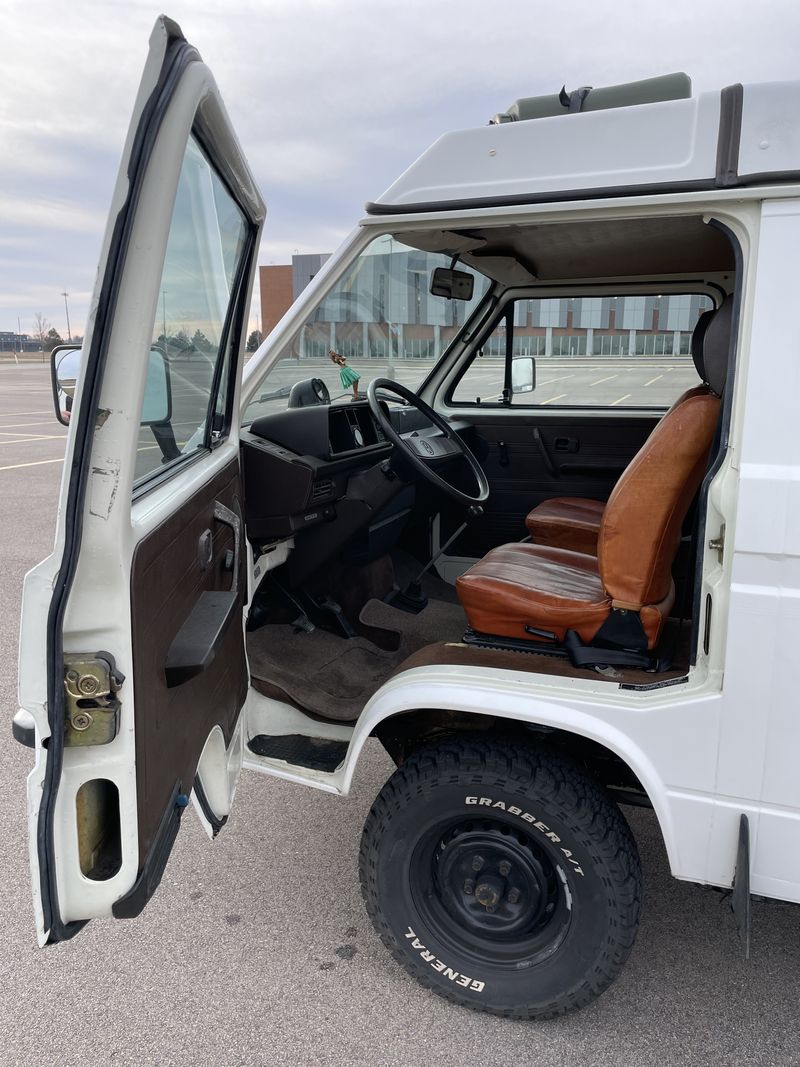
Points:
(671, 287)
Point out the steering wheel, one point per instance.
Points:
(426, 452)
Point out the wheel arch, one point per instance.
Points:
(453, 709)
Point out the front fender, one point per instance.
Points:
(501, 693)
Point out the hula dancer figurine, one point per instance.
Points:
(347, 376)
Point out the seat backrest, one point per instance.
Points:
(641, 525)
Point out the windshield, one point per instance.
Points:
(379, 321)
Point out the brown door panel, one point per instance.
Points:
(528, 461)
(180, 565)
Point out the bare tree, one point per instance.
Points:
(41, 326)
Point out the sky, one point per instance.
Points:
(331, 100)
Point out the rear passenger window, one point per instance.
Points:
(587, 352)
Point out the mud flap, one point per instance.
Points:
(740, 889)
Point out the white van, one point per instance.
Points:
(514, 487)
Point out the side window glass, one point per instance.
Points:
(588, 352)
(190, 354)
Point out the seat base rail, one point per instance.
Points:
(572, 648)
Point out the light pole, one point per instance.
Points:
(66, 308)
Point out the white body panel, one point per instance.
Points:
(770, 133)
(674, 141)
(761, 727)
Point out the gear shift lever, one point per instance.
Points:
(412, 599)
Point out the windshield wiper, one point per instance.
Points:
(278, 394)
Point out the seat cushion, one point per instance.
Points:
(566, 522)
(521, 585)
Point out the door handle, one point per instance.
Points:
(566, 444)
(548, 462)
(195, 646)
(196, 643)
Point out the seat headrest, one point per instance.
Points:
(716, 346)
(698, 336)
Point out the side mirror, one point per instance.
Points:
(65, 368)
(523, 374)
(157, 403)
(453, 284)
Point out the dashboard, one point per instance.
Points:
(297, 464)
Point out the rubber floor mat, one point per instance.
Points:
(316, 753)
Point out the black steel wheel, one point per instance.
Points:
(502, 877)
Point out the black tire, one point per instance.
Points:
(551, 913)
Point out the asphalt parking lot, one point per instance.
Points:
(562, 382)
(257, 950)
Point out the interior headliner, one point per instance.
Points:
(520, 254)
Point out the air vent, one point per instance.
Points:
(319, 490)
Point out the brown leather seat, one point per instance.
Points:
(569, 522)
(521, 587)
(574, 522)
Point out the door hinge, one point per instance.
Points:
(91, 683)
(718, 543)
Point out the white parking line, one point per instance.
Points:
(552, 398)
(17, 425)
(615, 402)
(28, 440)
(32, 436)
(599, 380)
(35, 463)
(549, 381)
(653, 379)
(13, 414)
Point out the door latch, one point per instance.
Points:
(91, 683)
(718, 543)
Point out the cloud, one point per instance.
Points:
(331, 99)
(45, 214)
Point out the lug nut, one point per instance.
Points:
(477, 863)
(513, 896)
(491, 909)
(469, 887)
(504, 868)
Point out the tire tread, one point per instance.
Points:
(558, 782)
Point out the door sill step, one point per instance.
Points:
(314, 753)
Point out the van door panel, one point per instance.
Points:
(187, 555)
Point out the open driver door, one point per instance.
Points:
(133, 673)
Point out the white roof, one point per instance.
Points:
(741, 135)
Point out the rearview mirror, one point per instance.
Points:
(523, 374)
(65, 368)
(453, 284)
